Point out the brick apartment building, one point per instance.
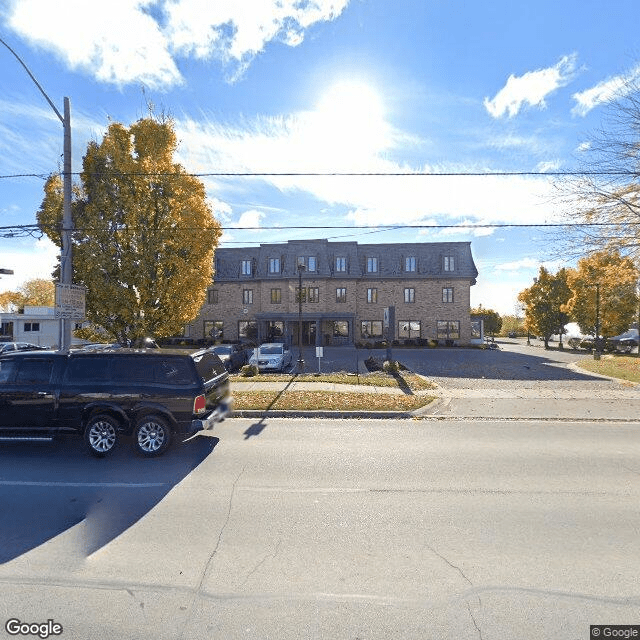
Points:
(345, 289)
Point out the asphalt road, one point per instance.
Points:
(369, 530)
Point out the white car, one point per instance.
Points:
(272, 356)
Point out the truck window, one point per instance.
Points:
(88, 369)
(31, 371)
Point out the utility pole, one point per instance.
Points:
(301, 268)
(66, 259)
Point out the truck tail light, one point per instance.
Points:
(199, 404)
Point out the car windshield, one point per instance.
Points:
(222, 351)
(272, 349)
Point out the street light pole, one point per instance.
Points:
(66, 260)
(301, 268)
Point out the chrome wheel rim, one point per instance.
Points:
(102, 436)
(151, 437)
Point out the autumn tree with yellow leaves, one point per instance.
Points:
(144, 233)
(604, 293)
(544, 304)
(37, 292)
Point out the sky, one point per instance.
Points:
(405, 88)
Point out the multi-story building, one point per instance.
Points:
(340, 291)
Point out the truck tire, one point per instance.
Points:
(151, 436)
(101, 435)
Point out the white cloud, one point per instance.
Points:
(238, 31)
(33, 259)
(518, 265)
(604, 92)
(139, 40)
(531, 88)
(121, 44)
(251, 219)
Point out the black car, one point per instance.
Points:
(152, 395)
(233, 356)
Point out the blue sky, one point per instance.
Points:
(386, 86)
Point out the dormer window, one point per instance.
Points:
(372, 265)
(246, 267)
(410, 264)
(449, 263)
(274, 265)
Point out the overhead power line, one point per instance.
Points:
(376, 174)
(35, 230)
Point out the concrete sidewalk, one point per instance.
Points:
(617, 401)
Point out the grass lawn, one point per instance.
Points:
(413, 381)
(310, 400)
(623, 367)
(327, 400)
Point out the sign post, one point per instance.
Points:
(389, 326)
(319, 354)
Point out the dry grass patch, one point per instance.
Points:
(327, 400)
(622, 367)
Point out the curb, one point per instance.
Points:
(252, 413)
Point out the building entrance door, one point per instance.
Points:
(308, 332)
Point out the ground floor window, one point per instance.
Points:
(340, 329)
(371, 328)
(32, 326)
(248, 329)
(275, 331)
(213, 329)
(448, 330)
(476, 329)
(409, 329)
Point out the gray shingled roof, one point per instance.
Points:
(390, 259)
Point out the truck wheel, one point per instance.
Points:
(151, 436)
(101, 435)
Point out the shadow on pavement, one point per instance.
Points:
(48, 488)
(493, 364)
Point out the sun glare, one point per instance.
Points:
(350, 118)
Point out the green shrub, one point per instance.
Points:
(391, 366)
(249, 370)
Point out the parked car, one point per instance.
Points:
(625, 342)
(6, 347)
(153, 395)
(233, 356)
(271, 356)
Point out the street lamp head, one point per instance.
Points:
(8, 272)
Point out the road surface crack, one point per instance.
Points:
(464, 576)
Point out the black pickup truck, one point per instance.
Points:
(150, 394)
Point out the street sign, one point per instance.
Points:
(70, 301)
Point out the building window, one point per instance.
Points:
(275, 330)
(311, 263)
(410, 264)
(410, 295)
(341, 329)
(32, 327)
(448, 329)
(372, 296)
(274, 265)
(313, 294)
(246, 267)
(409, 329)
(213, 329)
(371, 328)
(212, 296)
(301, 294)
(247, 296)
(276, 296)
(248, 329)
(449, 263)
(372, 265)
(341, 294)
(341, 264)
(447, 294)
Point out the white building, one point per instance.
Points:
(37, 325)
